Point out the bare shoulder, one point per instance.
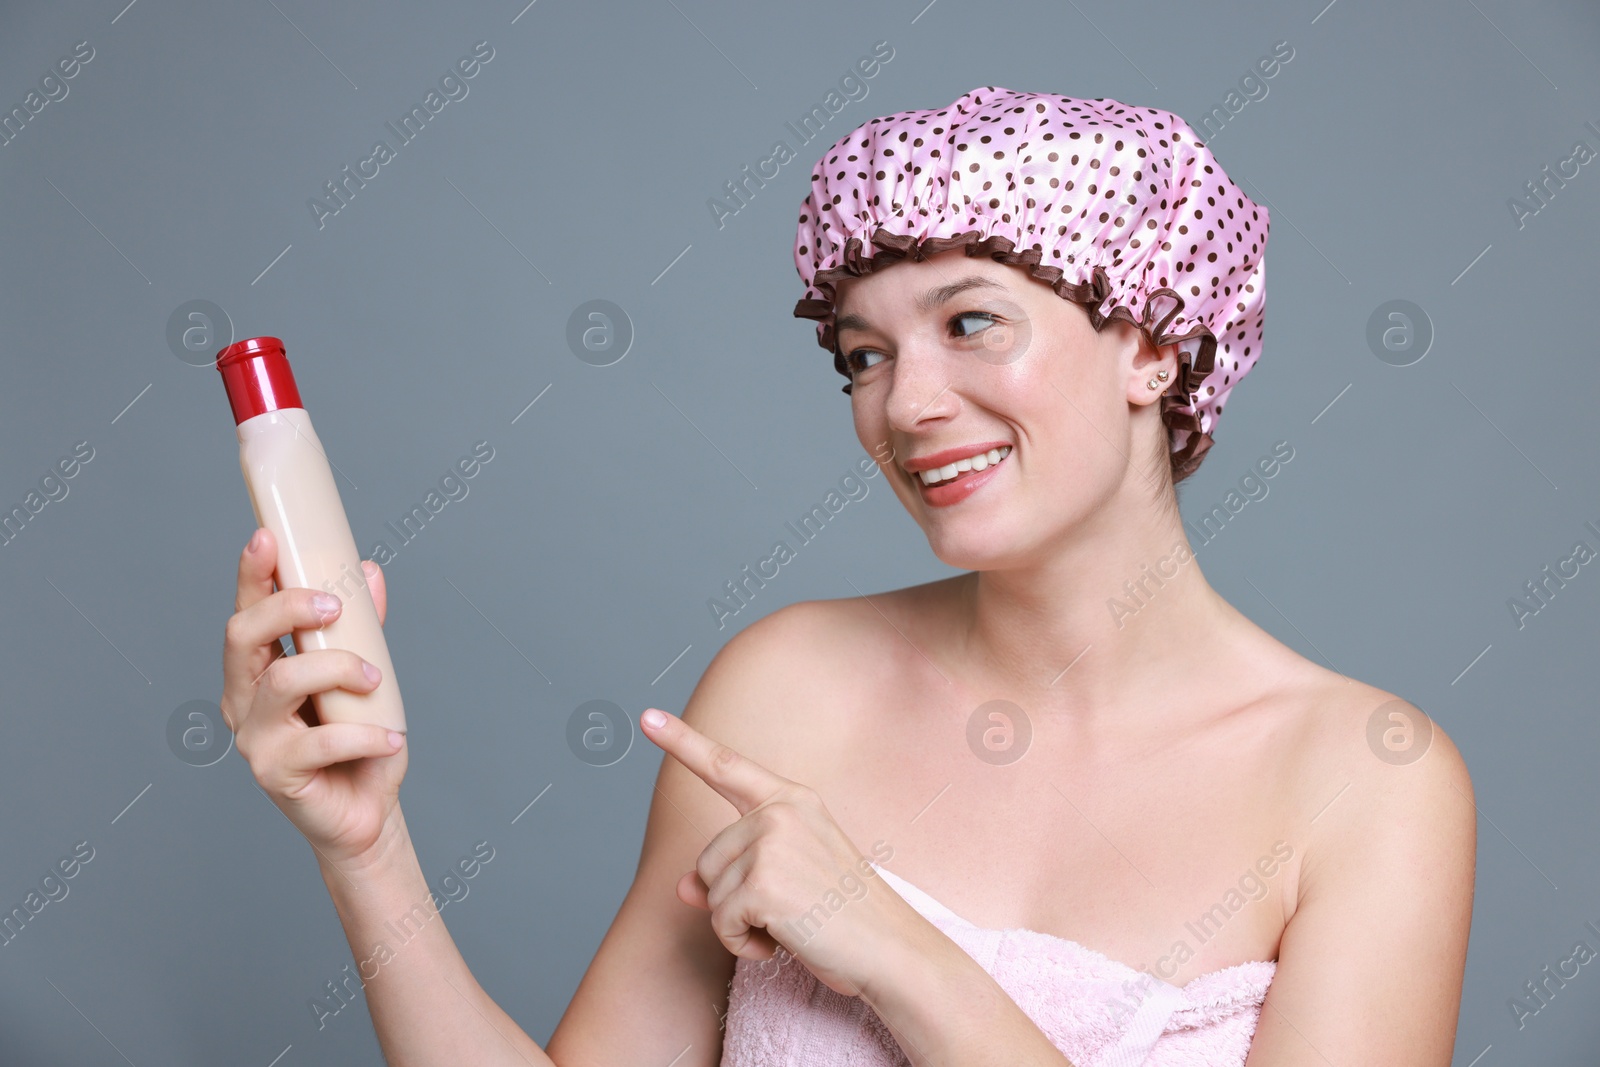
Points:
(1379, 917)
(766, 693)
(1406, 806)
(1370, 769)
(1378, 757)
(779, 690)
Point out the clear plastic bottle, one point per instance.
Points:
(294, 495)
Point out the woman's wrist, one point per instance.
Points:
(943, 1007)
(383, 886)
(391, 860)
(899, 960)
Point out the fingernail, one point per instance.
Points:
(255, 541)
(654, 719)
(396, 739)
(325, 603)
(369, 568)
(371, 672)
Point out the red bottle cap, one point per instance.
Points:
(256, 374)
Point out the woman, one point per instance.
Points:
(1126, 824)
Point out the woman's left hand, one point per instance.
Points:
(784, 873)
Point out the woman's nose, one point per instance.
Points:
(922, 388)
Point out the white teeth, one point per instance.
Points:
(981, 461)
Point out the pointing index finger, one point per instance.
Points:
(741, 781)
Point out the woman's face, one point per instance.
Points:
(957, 355)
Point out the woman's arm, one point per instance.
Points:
(654, 993)
(339, 784)
(426, 1006)
(1371, 963)
(655, 990)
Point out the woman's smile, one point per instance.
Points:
(957, 479)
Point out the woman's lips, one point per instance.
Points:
(966, 483)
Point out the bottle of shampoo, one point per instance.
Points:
(292, 490)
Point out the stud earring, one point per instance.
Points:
(1162, 374)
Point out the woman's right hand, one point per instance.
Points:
(339, 783)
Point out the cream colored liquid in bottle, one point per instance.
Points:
(293, 492)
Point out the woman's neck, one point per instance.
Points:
(1106, 621)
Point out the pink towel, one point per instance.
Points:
(1097, 1011)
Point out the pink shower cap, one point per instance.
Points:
(1121, 209)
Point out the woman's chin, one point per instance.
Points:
(971, 549)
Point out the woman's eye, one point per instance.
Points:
(864, 358)
(981, 316)
(857, 361)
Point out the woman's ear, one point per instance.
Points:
(1154, 370)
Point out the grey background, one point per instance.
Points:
(433, 309)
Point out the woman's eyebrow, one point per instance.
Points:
(929, 300)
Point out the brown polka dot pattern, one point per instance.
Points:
(1121, 209)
